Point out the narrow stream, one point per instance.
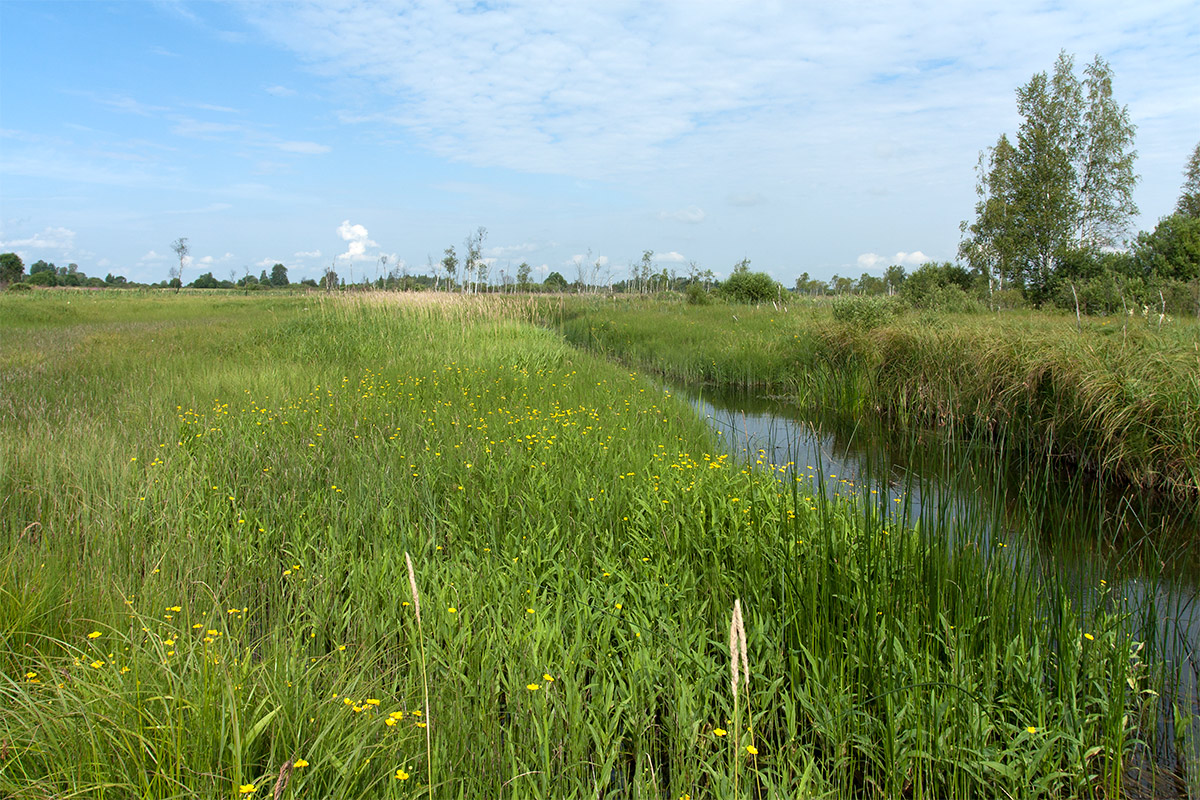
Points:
(1079, 531)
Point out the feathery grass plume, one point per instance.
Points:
(733, 648)
(412, 584)
(285, 773)
(741, 636)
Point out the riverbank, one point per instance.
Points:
(1116, 396)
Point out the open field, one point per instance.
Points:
(206, 505)
(1117, 396)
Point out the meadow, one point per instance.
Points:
(405, 545)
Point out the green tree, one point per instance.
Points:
(1066, 185)
(1189, 200)
(205, 281)
(279, 275)
(12, 268)
(555, 282)
(450, 264)
(41, 266)
(523, 272)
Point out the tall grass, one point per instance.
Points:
(1117, 397)
(226, 494)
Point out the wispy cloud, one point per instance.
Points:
(280, 91)
(691, 215)
(48, 239)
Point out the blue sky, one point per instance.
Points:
(801, 136)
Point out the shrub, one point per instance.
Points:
(697, 295)
(20, 287)
(750, 287)
(864, 312)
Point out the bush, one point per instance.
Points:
(750, 287)
(20, 287)
(697, 295)
(865, 312)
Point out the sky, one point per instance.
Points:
(807, 137)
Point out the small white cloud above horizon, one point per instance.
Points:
(868, 261)
(358, 240)
(672, 257)
(280, 91)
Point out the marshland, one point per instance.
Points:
(390, 545)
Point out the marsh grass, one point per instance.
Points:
(229, 497)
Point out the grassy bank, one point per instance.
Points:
(205, 511)
(1120, 397)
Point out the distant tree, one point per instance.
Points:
(645, 270)
(181, 248)
(555, 282)
(205, 281)
(329, 281)
(44, 277)
(12, 268)
(523, 273)
(1189, 200)
(893, 276)
(474, 267)
(115, 280)
(279, 275)
(450, 264)
(311, 283)
(40, 266)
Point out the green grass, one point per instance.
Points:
(1118, 397)
(225, 490)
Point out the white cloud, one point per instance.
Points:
(280, 91)
(691, 215)
(672, 257)
(357, 238)
(869, 261)
(307, 254)
(49, 239)
(913, 259)
(151, 256)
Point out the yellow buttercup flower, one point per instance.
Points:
(299, 762)
(94, 635)
(401, 775)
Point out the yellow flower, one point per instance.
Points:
(401, 775)
(371, 701)
(546, 677)
(1089, 637)
(390, 721)
(618, 606)
(396, 715)
(718, 731)
(533, 687)
(1031, 729)
(751, 749)
(246, 788)
(94, 635)
(299, 762)
(97, 664)
(452, 610)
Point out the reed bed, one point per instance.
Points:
(218, 518)
(1114, 396)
